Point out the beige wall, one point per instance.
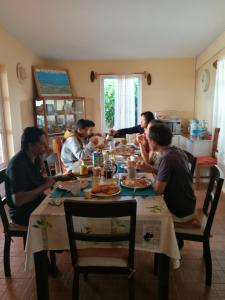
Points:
(204, 100)
(19, 95)
(172, 85)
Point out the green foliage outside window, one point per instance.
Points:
(109, 96)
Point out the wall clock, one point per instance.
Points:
(205, 80)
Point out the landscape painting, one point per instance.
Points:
(52, 82)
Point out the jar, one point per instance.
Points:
(131, 172)
(83, 169)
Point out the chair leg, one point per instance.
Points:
(208, 262)
(85, 276)
(131, 288)
(76, 285)
(24, 242)
(53, 267)
(156, 263)
(7, 256)
(197, 178)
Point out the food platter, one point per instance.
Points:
(104, 195)
(138, 183)
(65, 185)
(106, 191)
(125, 151)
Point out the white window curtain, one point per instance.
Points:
(219, 109)
(124, 103)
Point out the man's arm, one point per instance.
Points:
(20, 198)
(159, 187)
(130, 130)
(78, 150)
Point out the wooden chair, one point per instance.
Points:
(57, 147)
(52, 165)
(99, 260)
(207, 161)
(203, 234)
(10, 229)
(192, 162)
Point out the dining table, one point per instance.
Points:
(154, 232)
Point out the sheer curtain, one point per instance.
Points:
(124, 102)
(219, 109)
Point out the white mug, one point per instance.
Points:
(75, 187)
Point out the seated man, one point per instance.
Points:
(173, 177)
(146, 118)
(74, 147)
(26, 186)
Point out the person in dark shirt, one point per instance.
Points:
(146, 118)
(25, 185)
(173, 177)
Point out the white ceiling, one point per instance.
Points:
(114, 29)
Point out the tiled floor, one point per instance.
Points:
(186, 283)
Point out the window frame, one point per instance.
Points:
(102, 100)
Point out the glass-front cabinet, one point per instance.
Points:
(55, 115)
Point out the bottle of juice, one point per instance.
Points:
(83, 168)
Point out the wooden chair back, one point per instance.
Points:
(4, 218)
(215, 141)
(52, 165)
(103, 209)
(212, 196)
(192, 161)
(57, 147)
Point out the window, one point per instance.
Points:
(219, 109)
(120, 101)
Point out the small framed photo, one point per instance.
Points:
(52, 81)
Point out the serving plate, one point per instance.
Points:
(136, 183)
(65, 185)
(104, 195)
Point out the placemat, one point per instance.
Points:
(60, 193)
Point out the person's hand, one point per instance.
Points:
(49, 182)
(102, 146)
(112, 132)
(141, 165)
(140, 138)
(95, 141)
(98, 134)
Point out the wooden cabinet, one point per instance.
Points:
(56, 114)
(195, 147)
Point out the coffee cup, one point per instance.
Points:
(75, 187)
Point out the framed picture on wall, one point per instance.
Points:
(52, 81)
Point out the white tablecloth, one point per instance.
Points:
(154, 229)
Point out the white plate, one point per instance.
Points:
(103, 195)
(136, 187)
(64, 185)
(100, 140)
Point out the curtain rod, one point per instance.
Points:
(94, 75)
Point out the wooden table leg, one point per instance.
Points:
(41, 271)
(163, 276)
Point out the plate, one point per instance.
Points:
(125, 151)
(100, 140)
(65, 185)
(103, 195)
(130, 183)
